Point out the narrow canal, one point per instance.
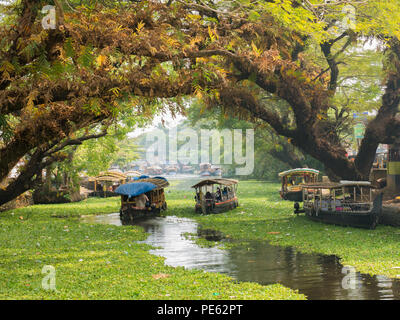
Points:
(319, 277)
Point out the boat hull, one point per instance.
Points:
(131, 215)
(367, 220)
(218, 207)
(296, 196)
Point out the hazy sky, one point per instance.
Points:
(169, 122)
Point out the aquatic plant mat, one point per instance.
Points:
(47, 253)
(262, 215)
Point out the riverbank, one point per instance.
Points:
(94, 261)
(105, 262)
(262, 215)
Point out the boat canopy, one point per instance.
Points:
(298, 171)
(132, 173)
(158, 177)
(142, 186)
(225, 182)
(135, 189)
(160, 182)
(110, 176)
(341, 184)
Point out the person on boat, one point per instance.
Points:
(218, 194)
(230, 193)
(225, 193)
(141, 201)
(200, 195)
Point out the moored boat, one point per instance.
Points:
(348, 203)
(293, 180)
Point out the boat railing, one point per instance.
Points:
(338, 205)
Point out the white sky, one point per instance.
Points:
(169, 122)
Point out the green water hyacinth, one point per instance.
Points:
(47, 253)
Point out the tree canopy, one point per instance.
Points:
(104, 57)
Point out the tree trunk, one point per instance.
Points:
(48, 178)
(333, 157)
(27, 179)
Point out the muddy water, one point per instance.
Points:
(316, 276)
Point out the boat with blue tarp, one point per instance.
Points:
(142, 198)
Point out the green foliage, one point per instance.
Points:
(5, 129)
(94, 261)
(268, 163)
(96, 155)
(128, 151)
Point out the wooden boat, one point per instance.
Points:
(106, 183)
(171, 170)
(216, 195)
(153, 188)
(205, 169)
(348, 203)
(293, 180)
(187, 169)
(132, 175)
(154, 170)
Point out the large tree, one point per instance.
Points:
(272, 153)
(277, 64)
(116, 54)
(80, 75)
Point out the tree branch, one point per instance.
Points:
(72, 142)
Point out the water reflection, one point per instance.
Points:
(316, 276)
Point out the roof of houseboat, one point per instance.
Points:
(222, 181)
(142, 186)
(298, 170)
(110, 176)
(343, 183)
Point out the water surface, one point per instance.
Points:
(317, 276)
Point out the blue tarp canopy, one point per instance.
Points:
(135, 189)
(158, 177)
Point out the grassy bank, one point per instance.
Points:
(101, 261)
(105, 262)
(262, 215)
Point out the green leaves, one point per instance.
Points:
(86, 58)
(30, 50)
(69, 49)
(254, 15)
(5, 129)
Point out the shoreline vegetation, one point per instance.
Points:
(94, 261)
